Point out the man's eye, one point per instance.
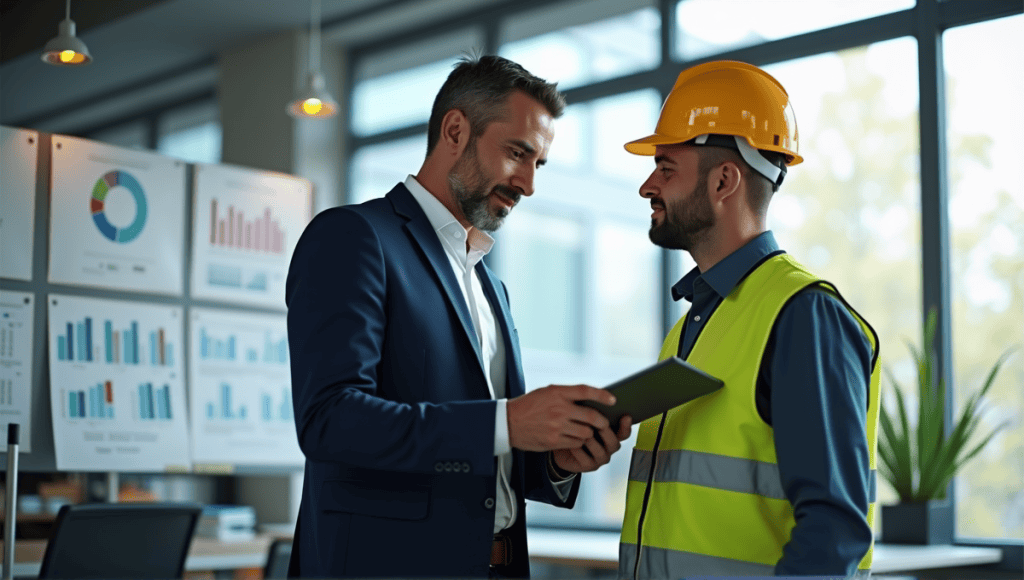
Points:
(517, 154)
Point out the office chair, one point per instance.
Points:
(277, 560)
(115, 541)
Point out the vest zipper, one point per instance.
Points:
(647, 497)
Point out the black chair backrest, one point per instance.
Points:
(277, 560)
(115, 541)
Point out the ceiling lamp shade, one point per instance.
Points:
(66, 49)
(314, 102)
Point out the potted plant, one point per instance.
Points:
(919, 462)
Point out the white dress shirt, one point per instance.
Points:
(492, 345)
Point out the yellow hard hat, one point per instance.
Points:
(727, 97)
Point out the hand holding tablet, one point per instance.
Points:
(656, 389)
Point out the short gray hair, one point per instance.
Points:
(479, 87)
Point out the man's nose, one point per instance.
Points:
(523, 179)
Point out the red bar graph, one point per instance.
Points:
(258, 234)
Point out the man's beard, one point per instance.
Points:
(470, 189)
(685, 223)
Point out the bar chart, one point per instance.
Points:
(121, 346)
(246, 226)
(234, 229)
(240, 379)
(222, 337)
(117, 385)
(93, 402)
(155, 403)
(277, 410)
(224, 407)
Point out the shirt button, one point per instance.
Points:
(489, 503)
(458, 235)
(696, 318)
(448, 466)
(465, 467)
(438, 467)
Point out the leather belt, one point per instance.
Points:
(501, 550)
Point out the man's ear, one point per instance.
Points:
(455, 132)
(724, 181)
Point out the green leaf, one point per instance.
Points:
(904, 455)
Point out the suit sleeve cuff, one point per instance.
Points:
(501, 442)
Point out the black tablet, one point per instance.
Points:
(656, 389)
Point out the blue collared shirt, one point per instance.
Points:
(812, 388)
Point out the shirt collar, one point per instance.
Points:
(444, 223)
(724, 276)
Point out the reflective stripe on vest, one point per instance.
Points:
(717, 471)
(705, 495)
(662, 562)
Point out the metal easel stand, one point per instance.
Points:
(11, 499)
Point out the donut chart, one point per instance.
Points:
(96, 205)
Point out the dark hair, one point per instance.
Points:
(479, 88)
(759, 189)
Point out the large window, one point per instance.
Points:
(705, 29)
(851, 210)
(395, 89)
(604, 43)
(191, 133)
(985, 81)
(587, 298)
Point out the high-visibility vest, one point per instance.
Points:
(704, 495)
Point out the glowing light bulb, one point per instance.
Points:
(67, 56)
(312, 106)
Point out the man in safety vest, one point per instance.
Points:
(774, 474)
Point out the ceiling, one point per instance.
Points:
(139, 42)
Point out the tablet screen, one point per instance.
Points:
(656, 389)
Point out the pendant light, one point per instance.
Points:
(66, 49)
(314, 102)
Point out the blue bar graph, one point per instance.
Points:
(275, 351)
(283, 412)
(216, 348)
(154, 404)
(135, 342)
(88, 339)
(225, 410)
(95, 402)
(108, 340)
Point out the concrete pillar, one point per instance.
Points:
(256, 83)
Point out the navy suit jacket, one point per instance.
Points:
(391, 404)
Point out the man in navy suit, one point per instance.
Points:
(421, 444)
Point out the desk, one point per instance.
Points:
(576, 548)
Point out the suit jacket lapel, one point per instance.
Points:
(419, 227)
(516, 384)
